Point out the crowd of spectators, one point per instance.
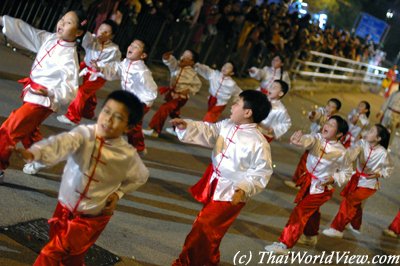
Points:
(244, 31)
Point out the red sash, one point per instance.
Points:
(28, 81)
(212, 101)
(201, 191)
(304, 182)
(34, 86)
(346, 140)
(164, 89)
(268, 138)
(352, 184)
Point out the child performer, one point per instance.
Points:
(327, 163)
(372, 163)
(278, 121)
(222, 88)
(318, 118)
(136, 78)
(102, 50)
(184, 81)
(394, 227)
(241, 168)
(52, 81)
(358, 121)
(322, 114)
(268, 75)
(95, 177)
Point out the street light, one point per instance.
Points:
(389, 14)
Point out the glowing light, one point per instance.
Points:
(389, 14)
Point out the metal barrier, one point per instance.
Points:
(161, 34)
(165, 35)
(40, 14)
(330, 67)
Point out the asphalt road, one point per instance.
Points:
(150, 225)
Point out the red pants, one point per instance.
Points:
(135, 134)
(22, 125)
(170, 108)
(395, 225)
(213, 111)
(350, 209)
(213, 221)
(70, 238)
(301, 167)
(85, 101)
(304, 218)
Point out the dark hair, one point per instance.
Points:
(112, 24)
(384, 134)
(145, 45)
(195, 56)
(342, 126)
(82, 25)
(82, 20)
(337, 102)
(284, 86)
(368, 107)
(131, 102)
(257, 102)
(280, 57)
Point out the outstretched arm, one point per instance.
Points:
(23, 34)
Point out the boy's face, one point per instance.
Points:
(330, 130)
(104, 33)
(239, 115)
(227, 69)
(135, 51)
(67, 27)
(331, 108)
(113, 120)
(186, 59)
(275, 92)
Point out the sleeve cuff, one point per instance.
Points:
(243, 186)
(120, 193)
(36, 153)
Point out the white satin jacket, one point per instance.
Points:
(95, 168)
(135, 77)
(241, 156)
(267, 75)
(356, 129)
(102, 53)
(371, 160)
(278, 119)
(326, 159)
(55, 66)
(222, 88)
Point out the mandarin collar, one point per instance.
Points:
(246, 126)
(66, 43)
